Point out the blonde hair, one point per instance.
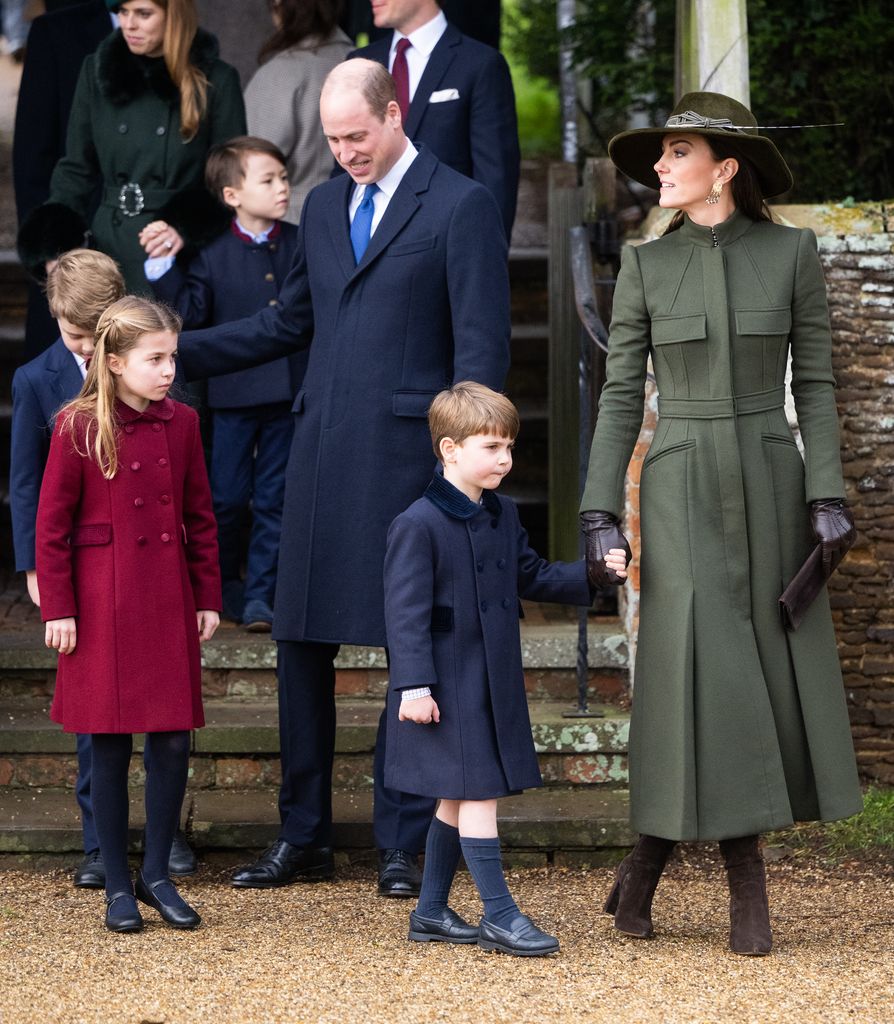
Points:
(83, 283)
(90, 418)
(466, 409)
(181, 25)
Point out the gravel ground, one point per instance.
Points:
(335, 953)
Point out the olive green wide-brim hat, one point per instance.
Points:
(716, 117)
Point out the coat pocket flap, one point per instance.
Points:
(411, 403)
(441, 618)
(666, 330)
(763, 321)
(417, 245)
(91, 533)
(298, 404)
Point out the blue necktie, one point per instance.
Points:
(361, 226)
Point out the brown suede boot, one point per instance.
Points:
(630, 900)
(749, 912)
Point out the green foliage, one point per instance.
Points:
(534, 74)
(873, 830)
(817, 62)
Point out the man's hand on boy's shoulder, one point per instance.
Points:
(422, 711)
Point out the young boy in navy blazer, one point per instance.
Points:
(237, 275)
(456, 563)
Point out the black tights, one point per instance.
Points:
(165, 785)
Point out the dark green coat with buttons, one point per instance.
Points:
(124, 140)
(738, 726)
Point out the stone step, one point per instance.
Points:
(545, 820)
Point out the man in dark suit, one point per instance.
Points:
(458, 95)
(57, 45)
(401, 281)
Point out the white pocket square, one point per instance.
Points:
(443, 95)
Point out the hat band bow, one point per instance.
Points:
(690, 119)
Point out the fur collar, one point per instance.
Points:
(124, 77)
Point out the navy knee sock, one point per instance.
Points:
(168, 768)
(442, 852)
(486, 867)
(108, 791)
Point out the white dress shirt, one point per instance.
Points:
(422, 42)
(82, 364)
(387, 186)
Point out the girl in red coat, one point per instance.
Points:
(129, 582)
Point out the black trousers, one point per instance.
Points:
(306, 677)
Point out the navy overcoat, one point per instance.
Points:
(231, 278)
(427, 305)
(463, 110)
(454, 572)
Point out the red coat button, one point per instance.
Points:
(162, 462)
(138, 502)
(156, 427)
(165, 499)
(129, 429)
(165, 537)
(141, 541)
(135, 466)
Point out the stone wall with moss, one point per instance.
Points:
(856, 245)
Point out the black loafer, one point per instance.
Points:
(399, 874)
(182, 860)
(91, 872)
(122, 914)
(521, 938)
(448, 926)
(163, 897)
(283, 864)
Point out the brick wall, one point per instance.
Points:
(857, 251)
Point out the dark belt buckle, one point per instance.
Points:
(131, 199)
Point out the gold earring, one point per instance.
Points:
(715, 193)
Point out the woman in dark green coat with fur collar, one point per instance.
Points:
(738, 726)
(149, 104)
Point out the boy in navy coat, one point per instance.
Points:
(237, 275)
(456, 563)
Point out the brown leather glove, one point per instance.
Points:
(833, 527)
(602, 532)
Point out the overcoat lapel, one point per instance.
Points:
(67, 379)
(340, 225)
(440, 60)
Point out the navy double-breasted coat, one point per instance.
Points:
(131, 558)
(427, 305)
(454, 572)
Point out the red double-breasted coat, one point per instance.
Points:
(131, 558)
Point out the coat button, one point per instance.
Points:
(135, 466)
(272, 247)
(162, 462)
(479, 566)
(165, 499)
(165, 537)
(273, 302)
(122, 129)
(505, 602)
(501, 564)
(156, 427)
(160, 130)
(269, 277)
(141, 541)
(129, 429)
(138, 502)
(484, 606)
(473, 527)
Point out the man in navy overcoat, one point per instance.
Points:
(393, 322)
(462, 105)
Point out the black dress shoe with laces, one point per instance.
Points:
(182, 860)
(521, 938)
(448, 926)
(399, 874)
(283, 864)
(91, 872)
(163, 897)
(122, 914)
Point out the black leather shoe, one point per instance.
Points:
(448, 926)
(182, 860)
(283, 864)
(399, 874)
(91, 872)
(121, 912)
(521, 938)
(163, 897)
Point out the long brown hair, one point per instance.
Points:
(300, 20)
(745, 186)
(181, 24)
(90, 418)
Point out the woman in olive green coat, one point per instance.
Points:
(738, 726)
(149, 104)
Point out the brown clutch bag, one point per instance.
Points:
(801, 592)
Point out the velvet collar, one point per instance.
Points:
(162, 410)
(452, 502)
(124, 76)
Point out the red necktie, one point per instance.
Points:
(401, 75)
